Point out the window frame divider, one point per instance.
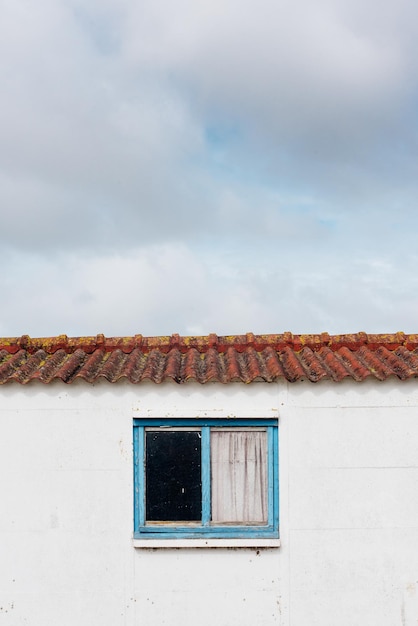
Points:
(206, 476)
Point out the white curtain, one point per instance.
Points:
(239, 476)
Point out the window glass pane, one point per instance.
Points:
(239, 476)
(173, 476)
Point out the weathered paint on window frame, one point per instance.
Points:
(196, 515)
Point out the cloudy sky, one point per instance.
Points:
(199, 166)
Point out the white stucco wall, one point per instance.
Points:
(349, 510)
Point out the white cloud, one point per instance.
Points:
(194, 167)
(163, 289)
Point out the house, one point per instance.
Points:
(256, 479)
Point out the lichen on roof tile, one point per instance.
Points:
(209, 358)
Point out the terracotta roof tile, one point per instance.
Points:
(190, 365)
(332, 364)
(272, 364)
(313, 365)
(409, 357)
(244, 358)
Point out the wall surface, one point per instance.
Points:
(348, 499)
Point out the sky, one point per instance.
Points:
(225, 166)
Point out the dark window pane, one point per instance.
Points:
(173, 476)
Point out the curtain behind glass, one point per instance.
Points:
(239, 476)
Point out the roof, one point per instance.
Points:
(244, 358)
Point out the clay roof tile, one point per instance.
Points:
(229, 358)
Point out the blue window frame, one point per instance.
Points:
(176, 491)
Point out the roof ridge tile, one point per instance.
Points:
(202, 343)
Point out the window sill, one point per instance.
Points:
(206, 543)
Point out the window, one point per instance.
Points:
(205, 478)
